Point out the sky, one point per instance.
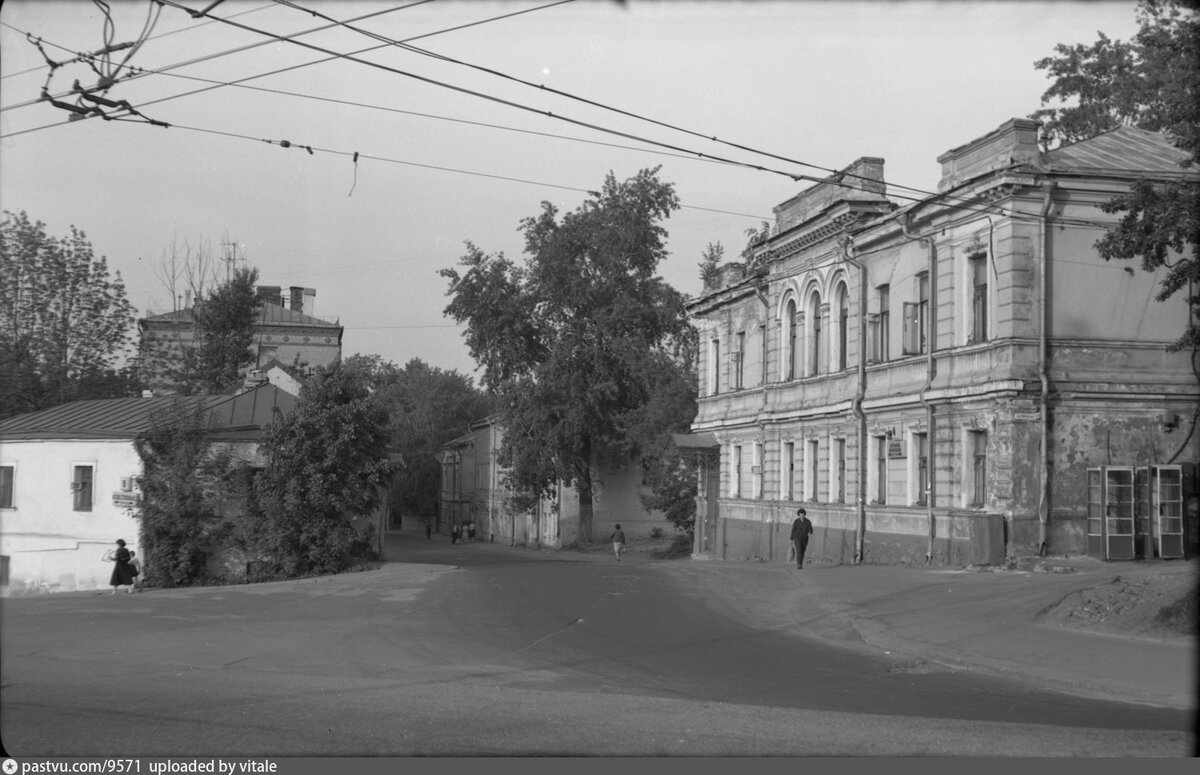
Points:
(394, 159)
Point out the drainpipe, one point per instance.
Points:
(930, 373)
(847, 245)
(1048, 187)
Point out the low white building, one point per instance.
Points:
(474, 490)
(69, 481)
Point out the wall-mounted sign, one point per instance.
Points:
(125, 499)
(895, 448)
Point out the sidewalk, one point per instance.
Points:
(980, 620)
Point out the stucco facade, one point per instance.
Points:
(51, 540)
(286, 335)
(71, 478)
(933, 381)
(473, 489)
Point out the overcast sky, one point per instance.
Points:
(448, 153)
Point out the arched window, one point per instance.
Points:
(843, 326)
(816, 339)
(789, 330)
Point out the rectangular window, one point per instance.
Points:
(762, 338)
(916, 318)
(735, 484)
(881, 466)
(7, 480)
(978, 467)
(979, 297)
(714, 367)
(811, 490)
(81, 487)
(788, 471)
(839, 486)
(923, 308)
(921, 468)
(739, 362)
(882, 353)
(756, 471)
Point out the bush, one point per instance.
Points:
(680, 547)
(326, 462)
(1182, 616)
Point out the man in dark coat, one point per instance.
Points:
(801, 530)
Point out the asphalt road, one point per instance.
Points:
(481, 649)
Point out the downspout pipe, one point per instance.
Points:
(847, 247)
(1048, 187)
(930, 374)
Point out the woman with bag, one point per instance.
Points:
(123, 573)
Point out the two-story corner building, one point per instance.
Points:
(956, 380)
(285, 332)
(474, 489)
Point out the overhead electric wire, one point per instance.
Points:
(837, 175)
(313, 149)
(138, 72)
(348, 24)
(491, 98)
(353, 58)
(684, 153)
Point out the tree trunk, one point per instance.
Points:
(585, 508)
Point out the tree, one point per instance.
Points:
(427, 407)
(185, 481)
(574, 342)
(754, 238)
(1152, 82)
(710, 265)
(326, 461)
(65, 324)
(225, 331)
(207, 348)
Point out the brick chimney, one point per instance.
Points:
(297, 298)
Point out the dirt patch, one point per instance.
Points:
(1159, 605)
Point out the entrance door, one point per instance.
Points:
(1111, 521)
(1167, 518)
(1095, 513)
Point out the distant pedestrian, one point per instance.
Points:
(122, 575)
(471, 531)
(135, 562)
(618, 541)
(428, 530)
(801, 530)
(455, 534)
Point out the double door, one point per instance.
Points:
(1135, 512)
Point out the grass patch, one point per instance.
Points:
(1181, 616)
(680, 547)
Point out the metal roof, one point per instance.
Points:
(268, 315)
(1126, 149)
(231, 417)
(686, 441)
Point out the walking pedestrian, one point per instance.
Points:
(618, 541)
(471, 531)
(122, 575)
(801, 529)
(455, 534)
(428, 530)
